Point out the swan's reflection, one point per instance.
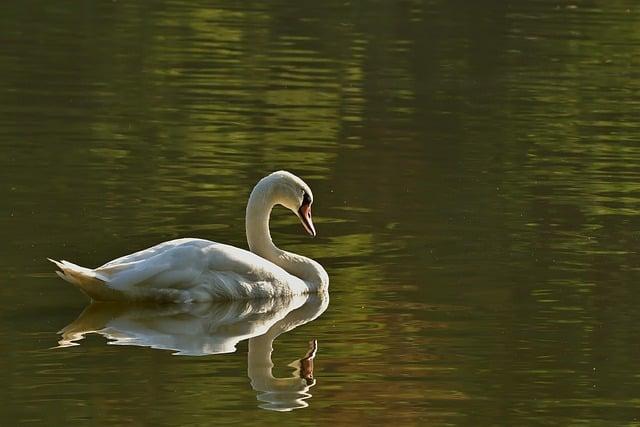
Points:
(196, 329)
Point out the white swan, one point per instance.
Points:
(195, 270)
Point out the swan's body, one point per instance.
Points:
(191, 270)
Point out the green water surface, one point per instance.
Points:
(476, 173)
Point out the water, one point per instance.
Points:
(476, 174)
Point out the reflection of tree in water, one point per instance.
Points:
(205, 329)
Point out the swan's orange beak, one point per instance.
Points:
(305, 217)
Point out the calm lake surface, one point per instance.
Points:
(476, 172)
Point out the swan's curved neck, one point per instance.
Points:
(261, 202)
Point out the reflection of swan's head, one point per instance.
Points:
(288, 190)
(284, 394)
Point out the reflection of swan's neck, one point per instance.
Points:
(261, 202)
(284, 394)
(278, 394)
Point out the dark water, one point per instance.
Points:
(476, 170)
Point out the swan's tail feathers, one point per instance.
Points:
(87, 280)
(75, 274)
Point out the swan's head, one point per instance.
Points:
(294, 194)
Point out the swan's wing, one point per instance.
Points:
(145, 254)
(237, 274)
(203, 269)
(180, 256)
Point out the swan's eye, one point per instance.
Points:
(306, 200)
